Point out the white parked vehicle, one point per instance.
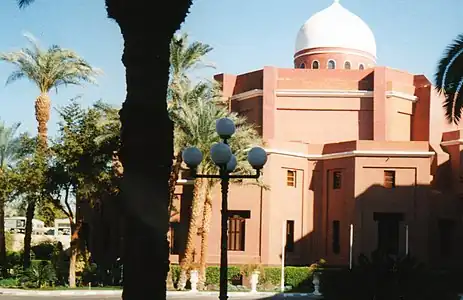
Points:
(18, 225)
(62, 227)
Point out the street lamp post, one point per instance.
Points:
(226, 162)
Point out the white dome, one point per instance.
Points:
(336, 27)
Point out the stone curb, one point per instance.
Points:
(16, 292)
(39, 293)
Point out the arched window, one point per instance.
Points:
(347, 65)
(302, 66)
(331, 64)
(315, 64)
(361, 67)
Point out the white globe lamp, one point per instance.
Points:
(232, 163)
(192, 156)
(225, 128)
(221, 154)
(257, 157)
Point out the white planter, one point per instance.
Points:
(316, 284)
(194, 278)
(254, 281)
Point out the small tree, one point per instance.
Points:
(9, 148)
(80, 169)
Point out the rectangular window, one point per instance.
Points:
(291, 178)
(289, 236)
(389, 179)
(236, 233)
(174, 238)
(446, 235)
(336, 237)
(337, 180)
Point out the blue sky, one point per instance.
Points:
(246, 35)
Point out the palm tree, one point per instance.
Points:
(49, 69)
(195, 126)
(449, 79)
(191, 128)
(145, 181)
(184, 58)
(9, 146)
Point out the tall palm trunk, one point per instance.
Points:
(147, 161)
(42, 115)
(195, 217)
(206, 228)
(174, 175)
(28, 234)
(3, 269)
(147, 141)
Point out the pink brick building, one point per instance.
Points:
(349, 142)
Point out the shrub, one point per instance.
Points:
(43, 251)
(13, 259)
(175, 270)
(213, 274)
(40, 274)
(9, 283)
(60, 262)
(296, 277)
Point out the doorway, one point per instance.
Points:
(388, 232)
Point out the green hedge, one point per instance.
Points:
(294, 276)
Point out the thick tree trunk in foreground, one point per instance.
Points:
(174, 175)
(28, 234)
(147, 141)
(197, 204)
(206, 228)
(42, 115)
(75, 241)
(3, 269)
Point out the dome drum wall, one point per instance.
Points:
(339, 55)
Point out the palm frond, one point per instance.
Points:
(24, 3)
(9, 144)
(49, 68)
(195, 118)
(186, 57)
(449, 79)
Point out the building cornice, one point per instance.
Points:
(354, 153)
(321, 93)
(324, 93)
(185, 181)
(401, 95)
(452, 143)
(247, 95)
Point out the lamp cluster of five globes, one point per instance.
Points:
(221, 153)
